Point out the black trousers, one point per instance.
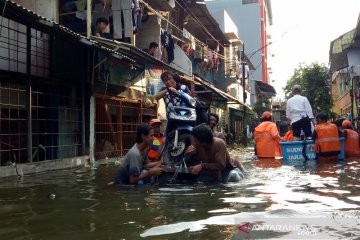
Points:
(303, 124)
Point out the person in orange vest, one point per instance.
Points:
(289, 136)
(158, 141)
(326, 137)
(267, 137)
(352, 148)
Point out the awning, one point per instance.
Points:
(266, 89)
(135, 53)
(216, 93)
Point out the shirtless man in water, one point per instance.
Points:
(214, 162)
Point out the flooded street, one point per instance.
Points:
(326, 196)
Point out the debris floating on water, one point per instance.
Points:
(51, 196)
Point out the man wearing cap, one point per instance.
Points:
(266, 137)
(299, 114)
(352, 148)
(158, 141)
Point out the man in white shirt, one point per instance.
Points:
(299, 114)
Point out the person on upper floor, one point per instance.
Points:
(213, 123)
(352, 148)
(267, 138)
(326, 137)
(153, 47)
(102, 28)
(299, 114)
(158, 141)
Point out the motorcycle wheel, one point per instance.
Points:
(176, 156)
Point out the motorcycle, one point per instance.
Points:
(182, 119)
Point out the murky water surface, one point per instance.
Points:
(276, 200)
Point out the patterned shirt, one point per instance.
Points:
(171, 99)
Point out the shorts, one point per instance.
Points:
(303, 124)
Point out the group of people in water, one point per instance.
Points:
(301, 120)
(212, 162)
(209, 155)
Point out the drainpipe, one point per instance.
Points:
(28, 94)
(244, 94)
(88, 18)
(352, 101)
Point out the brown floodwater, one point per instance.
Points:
(275, 200)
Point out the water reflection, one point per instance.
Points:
(87, 207)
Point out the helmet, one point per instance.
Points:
(346, 123)
(266, 115)
(154, 121)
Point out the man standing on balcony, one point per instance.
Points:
(299, 114)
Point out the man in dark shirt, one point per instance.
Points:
(131, 166)
(214, 162)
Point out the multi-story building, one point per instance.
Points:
(252, 19)
(345, 74)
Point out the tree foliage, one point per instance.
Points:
(315, 82)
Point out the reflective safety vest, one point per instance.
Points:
(289, 136)
(327, 142)
(267, 139)
(352, 148)
(154, 149)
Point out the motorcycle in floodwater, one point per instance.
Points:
(181, 120)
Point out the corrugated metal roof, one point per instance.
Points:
(217, 91)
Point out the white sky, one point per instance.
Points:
(302, 31)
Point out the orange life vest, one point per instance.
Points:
(352, 148)
(289, 136)
(266, 137)
(327, 141)
(154, 149)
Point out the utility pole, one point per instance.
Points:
(244, 94)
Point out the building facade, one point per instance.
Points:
(345, 72)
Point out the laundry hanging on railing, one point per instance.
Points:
(167, 43)
(122, 18)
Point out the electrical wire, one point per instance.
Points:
(199, 22)
(172, 24)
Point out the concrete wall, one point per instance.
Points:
(225, 21)
(247, 20)
(43, 166)
(45, 8)
(149, 32)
